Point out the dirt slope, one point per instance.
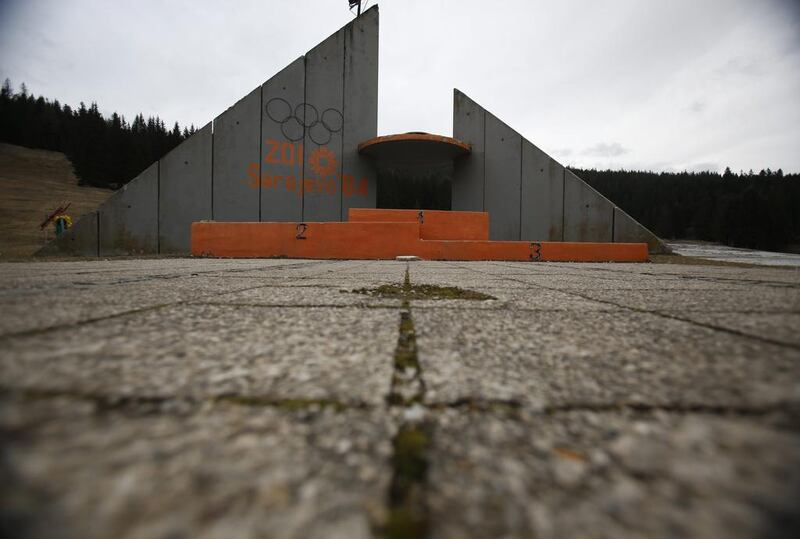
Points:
(32, 184)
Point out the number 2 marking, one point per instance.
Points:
(536, 251)
(301, 231)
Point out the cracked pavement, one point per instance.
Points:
(262, 398)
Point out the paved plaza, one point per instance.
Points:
(172, 398)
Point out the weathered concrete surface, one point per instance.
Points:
(236, 173)
(503, 166)
(281, 168)
(184, 191)
(588, 215)
(359, 177)
(174, 469)
(613, 474)
(628, 230)
(542, 195)
(247, 398)
(469, 125)
(322, 165)
(129, 219)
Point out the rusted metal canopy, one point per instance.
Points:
(413, 149)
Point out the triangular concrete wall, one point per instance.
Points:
(287, 151)
(528, 194)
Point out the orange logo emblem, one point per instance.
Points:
(322, 161)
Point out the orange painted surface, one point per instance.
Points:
(557, 251)
(361, 241)
(436, 224)
(474, 250)
(386, 240)
(416, 137)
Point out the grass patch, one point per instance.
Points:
(408, 515)
(422, 292)
(407, 385)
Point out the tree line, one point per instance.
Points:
(746, 209)
(105, 152)
(760, 211)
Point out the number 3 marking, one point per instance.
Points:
(536, 251)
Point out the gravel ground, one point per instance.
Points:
(171, 398)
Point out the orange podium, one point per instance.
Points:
(376, 234)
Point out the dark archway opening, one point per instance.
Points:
(411, 187)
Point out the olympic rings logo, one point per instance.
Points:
(304, 117)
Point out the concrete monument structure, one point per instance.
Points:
(289, 151)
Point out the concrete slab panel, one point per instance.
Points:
(184, 191)
(282, 132)
(628, 230)
(588, 215)
(237, 134)
(359, 177)
(208, 350)
(502, 170)
(604, 474)
(542, 195)
(538, 359)
(129, 219)
(324, 121)
(201, 469)
(468, 177)
(80, 240)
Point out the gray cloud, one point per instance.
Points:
(748, 67)
(697, 106)
(605, 149)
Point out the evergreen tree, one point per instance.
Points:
(104, 151)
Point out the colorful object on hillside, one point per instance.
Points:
(54, 214)
(63, 223)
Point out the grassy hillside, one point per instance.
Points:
(32, 184)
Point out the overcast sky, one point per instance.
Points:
(653, 84)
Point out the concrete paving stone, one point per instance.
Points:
(96, 294)
(71, 471)
(515, 298)
(562, 358)
(745, 299)
(761, 274)
(203, 351)
(26, 310)
(783, 327)
(604, 282)
(328, 295)
(720, 273)
(54, 275)
(612, 475)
